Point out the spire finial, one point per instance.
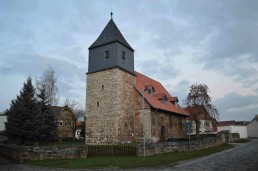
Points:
(111, 14)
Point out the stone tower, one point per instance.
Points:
(110, 88)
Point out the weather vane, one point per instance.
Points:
(111, 14)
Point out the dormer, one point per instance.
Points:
(162, 98)
(173, 100)
(149, 89)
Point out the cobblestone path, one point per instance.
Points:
(244, 157)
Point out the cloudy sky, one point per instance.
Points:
(178, 43)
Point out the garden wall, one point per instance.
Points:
(166, 147)
(30, 153)
(33, 153)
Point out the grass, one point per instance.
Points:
(130, 162)
(242, 141)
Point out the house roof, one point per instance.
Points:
(110, 34)
(58, 109)
(153, 100)
(203, 113)
(226, 123)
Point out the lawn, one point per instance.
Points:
(130, 162)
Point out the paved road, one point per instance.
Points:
(244, 157)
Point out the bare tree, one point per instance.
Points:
(48, 81)
(77, 110)
(198, 101)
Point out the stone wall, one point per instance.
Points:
(167, 147)
(173, 124)
(109, 107)
(30, 153)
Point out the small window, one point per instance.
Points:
(61, 123)
(107, 54)
(102, 87)
(97, 103)
(123, 55)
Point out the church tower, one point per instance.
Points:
(110, 87)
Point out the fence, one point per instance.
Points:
(107, 150)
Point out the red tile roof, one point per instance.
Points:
(153, 100)
(226, 123)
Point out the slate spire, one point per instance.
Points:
(110, 34)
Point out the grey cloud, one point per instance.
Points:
(181, 90)
(70, 77)
(64, 39)
(239, 115)
(234, 105)
(232, 49)
(163, 71)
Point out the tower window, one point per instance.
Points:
(123, 55)
(102, 87)
(107, 54)
(97, 103)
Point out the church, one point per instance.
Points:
(123, 105)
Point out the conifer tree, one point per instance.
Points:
(23, 117)
(48, 130)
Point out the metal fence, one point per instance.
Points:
(111, 151)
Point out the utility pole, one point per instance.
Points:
(143, 132)
(189, 136)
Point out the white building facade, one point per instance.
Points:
(3, 119)
(252, 127)
(241, 129)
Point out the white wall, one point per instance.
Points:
(3, 119)
(252, 129)
(203, 127)
(235, 129)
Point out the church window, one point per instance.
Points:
(107, 54)
(123, 55)
(97, 103)
(102, 87)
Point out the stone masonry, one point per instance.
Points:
(109, 107)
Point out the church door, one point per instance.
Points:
(162, 133)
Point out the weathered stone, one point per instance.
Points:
(109, 107)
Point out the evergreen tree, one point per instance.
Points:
(23, 119)
(49, 127)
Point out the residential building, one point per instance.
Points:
(65, 121)
(123, 105)
(233, 127)
(3, 119)
(252, 127)
(208, 125)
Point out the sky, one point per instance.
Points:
(178, 43)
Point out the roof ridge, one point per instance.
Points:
(136, 72)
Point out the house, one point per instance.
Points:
(123, 105)
(3, 119)
(65, 121)
(208, 125)
(252, 127)
(79, 126)
(233, 127)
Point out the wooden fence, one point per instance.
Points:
(110, 151)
